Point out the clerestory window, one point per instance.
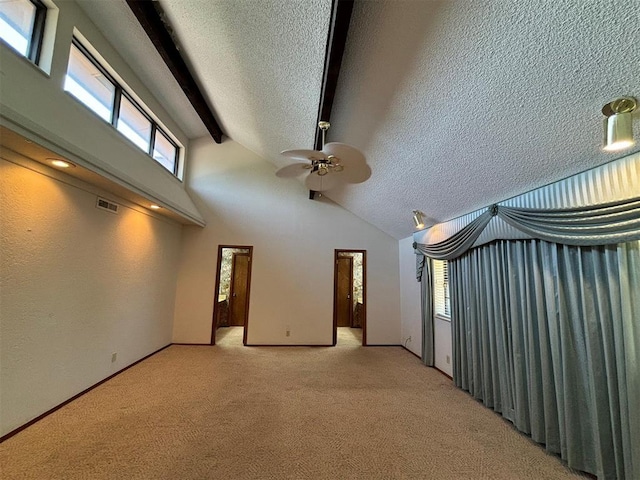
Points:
(91, 83)
(22, 26)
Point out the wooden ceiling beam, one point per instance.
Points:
(147, 13)
(336, 42)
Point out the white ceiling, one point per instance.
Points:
(456, 104)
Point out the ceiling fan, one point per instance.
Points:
(334, 165)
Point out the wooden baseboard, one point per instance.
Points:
(412, 353)
(195, 344)
(57, 407)
(443, 373)
(286, 345)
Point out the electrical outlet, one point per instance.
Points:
(288, 333)
(114, 357)
(448, 359)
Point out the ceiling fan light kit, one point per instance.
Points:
(334, 165)
(618, 126)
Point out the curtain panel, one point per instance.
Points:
(549, 336)
(423, 275)
(545, 297)
(426, 302)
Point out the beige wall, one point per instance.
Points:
(294, 238)
(409, 298)
(443, 347)
(77, 284)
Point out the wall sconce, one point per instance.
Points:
(618, 126)
(418, 219)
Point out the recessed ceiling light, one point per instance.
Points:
(155, 207)
(56, 162)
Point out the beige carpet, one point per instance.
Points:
(349, 337)
(233, 412)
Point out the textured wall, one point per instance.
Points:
(409, 298)
(77, 284)
(443, 346)
(294, 239)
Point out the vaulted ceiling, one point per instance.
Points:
(456, 104)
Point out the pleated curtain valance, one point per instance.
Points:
(608, 213)
(607, 224)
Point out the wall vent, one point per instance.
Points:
(103, 204)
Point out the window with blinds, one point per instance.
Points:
(442, 305)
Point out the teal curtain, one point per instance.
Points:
(459, 242)
(549, 336)
(602, 224)
(426, 302)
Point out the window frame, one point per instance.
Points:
(115, 104)
(116, 115)
(34, 43)
(37, 34)
(444, 285)
(120, 91)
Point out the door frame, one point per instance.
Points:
(336, 252)
(217, 289)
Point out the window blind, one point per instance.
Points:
(441, 288)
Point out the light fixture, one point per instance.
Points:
(618, 126)
(155, 207)
(56, 162)
(418, 219)
(322, 169)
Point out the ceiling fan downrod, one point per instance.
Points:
(324, 126)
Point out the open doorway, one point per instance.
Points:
(231, 301)
(349, 297)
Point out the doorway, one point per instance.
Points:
(349, 297)
(231, 299)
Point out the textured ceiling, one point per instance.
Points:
(456, 104)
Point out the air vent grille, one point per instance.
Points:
(106, 205)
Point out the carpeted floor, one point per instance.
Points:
(234, 412)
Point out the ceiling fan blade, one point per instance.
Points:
(346, 153)
(356, 173)
(304, 154)
(324, 182)
(293, 170)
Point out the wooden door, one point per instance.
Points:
(344, 287)
(238, 302)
